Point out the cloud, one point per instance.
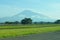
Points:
(55, 5)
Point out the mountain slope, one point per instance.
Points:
(27, 14)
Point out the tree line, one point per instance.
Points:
(23, 21)
(29, 21)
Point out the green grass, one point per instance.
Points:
(19, 26)
(22, 30)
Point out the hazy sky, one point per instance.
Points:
(47, 7)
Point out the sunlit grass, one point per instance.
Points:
(25, 31)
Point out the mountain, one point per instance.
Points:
(27, 14)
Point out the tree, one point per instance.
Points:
(26, 21)
(7, 22)
(57, 22)
(16, 22)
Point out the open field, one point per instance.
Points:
(19, 26)
(23, 30)
(44, 36)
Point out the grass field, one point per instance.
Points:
(22, 30)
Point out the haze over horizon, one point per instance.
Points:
(49, 8)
